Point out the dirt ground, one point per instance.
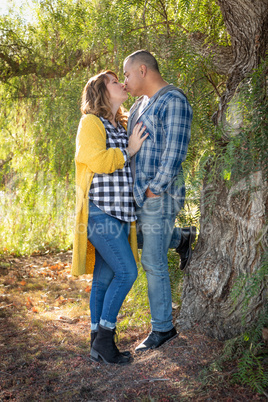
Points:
(45, 353)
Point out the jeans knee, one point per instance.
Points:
(159, 270)
(134, 276)
(129, 277)
(149, 266)
(103, 282)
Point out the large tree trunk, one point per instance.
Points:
(247, 23)
(231, 242)
(232, 232)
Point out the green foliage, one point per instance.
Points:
(203, 16)
(176, 276)
(250, 353)
(46, 61)
(247, 150)
(44, 64)
(37, 185)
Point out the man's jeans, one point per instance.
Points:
(174, 242)
(115, 268)
(156, 220)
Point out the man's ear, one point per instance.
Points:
(143, 70)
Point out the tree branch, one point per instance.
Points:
(158, 23)
(18, 69)
(210, 80)
(3, 162)
(221, 57)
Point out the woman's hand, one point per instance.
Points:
(135, 141)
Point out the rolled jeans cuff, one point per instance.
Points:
(107, 324)
(94, 327)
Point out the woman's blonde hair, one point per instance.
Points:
(95, 98)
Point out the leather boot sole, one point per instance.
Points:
(96, 356)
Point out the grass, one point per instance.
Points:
(176, 276)
(135, 311)
(36, 222)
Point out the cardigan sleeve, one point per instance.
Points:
(91, 147)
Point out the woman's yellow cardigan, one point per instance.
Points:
(92, 157)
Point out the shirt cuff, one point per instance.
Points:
(154, 190)
(126, 155)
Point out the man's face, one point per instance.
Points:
(133, 78)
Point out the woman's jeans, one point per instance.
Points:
(115, 267)
(156, 220)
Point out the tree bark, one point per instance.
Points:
(247, 23)
(221, 57)
(233, 235)
(231, 243)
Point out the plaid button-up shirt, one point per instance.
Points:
(112, 192)
(167, 117)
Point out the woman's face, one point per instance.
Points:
(117, 91)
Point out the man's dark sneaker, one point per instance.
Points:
(184, 248)
(156, 339)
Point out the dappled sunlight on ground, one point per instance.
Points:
(45, 352)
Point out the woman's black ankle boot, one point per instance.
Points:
(105, 348)
(94, 336)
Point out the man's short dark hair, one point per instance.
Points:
(144, 57)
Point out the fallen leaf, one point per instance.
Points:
(29, 302)
(88, 289)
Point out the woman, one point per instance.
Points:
(105, 208)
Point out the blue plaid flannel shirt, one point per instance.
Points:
(158, 164)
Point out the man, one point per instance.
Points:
(159, 189)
